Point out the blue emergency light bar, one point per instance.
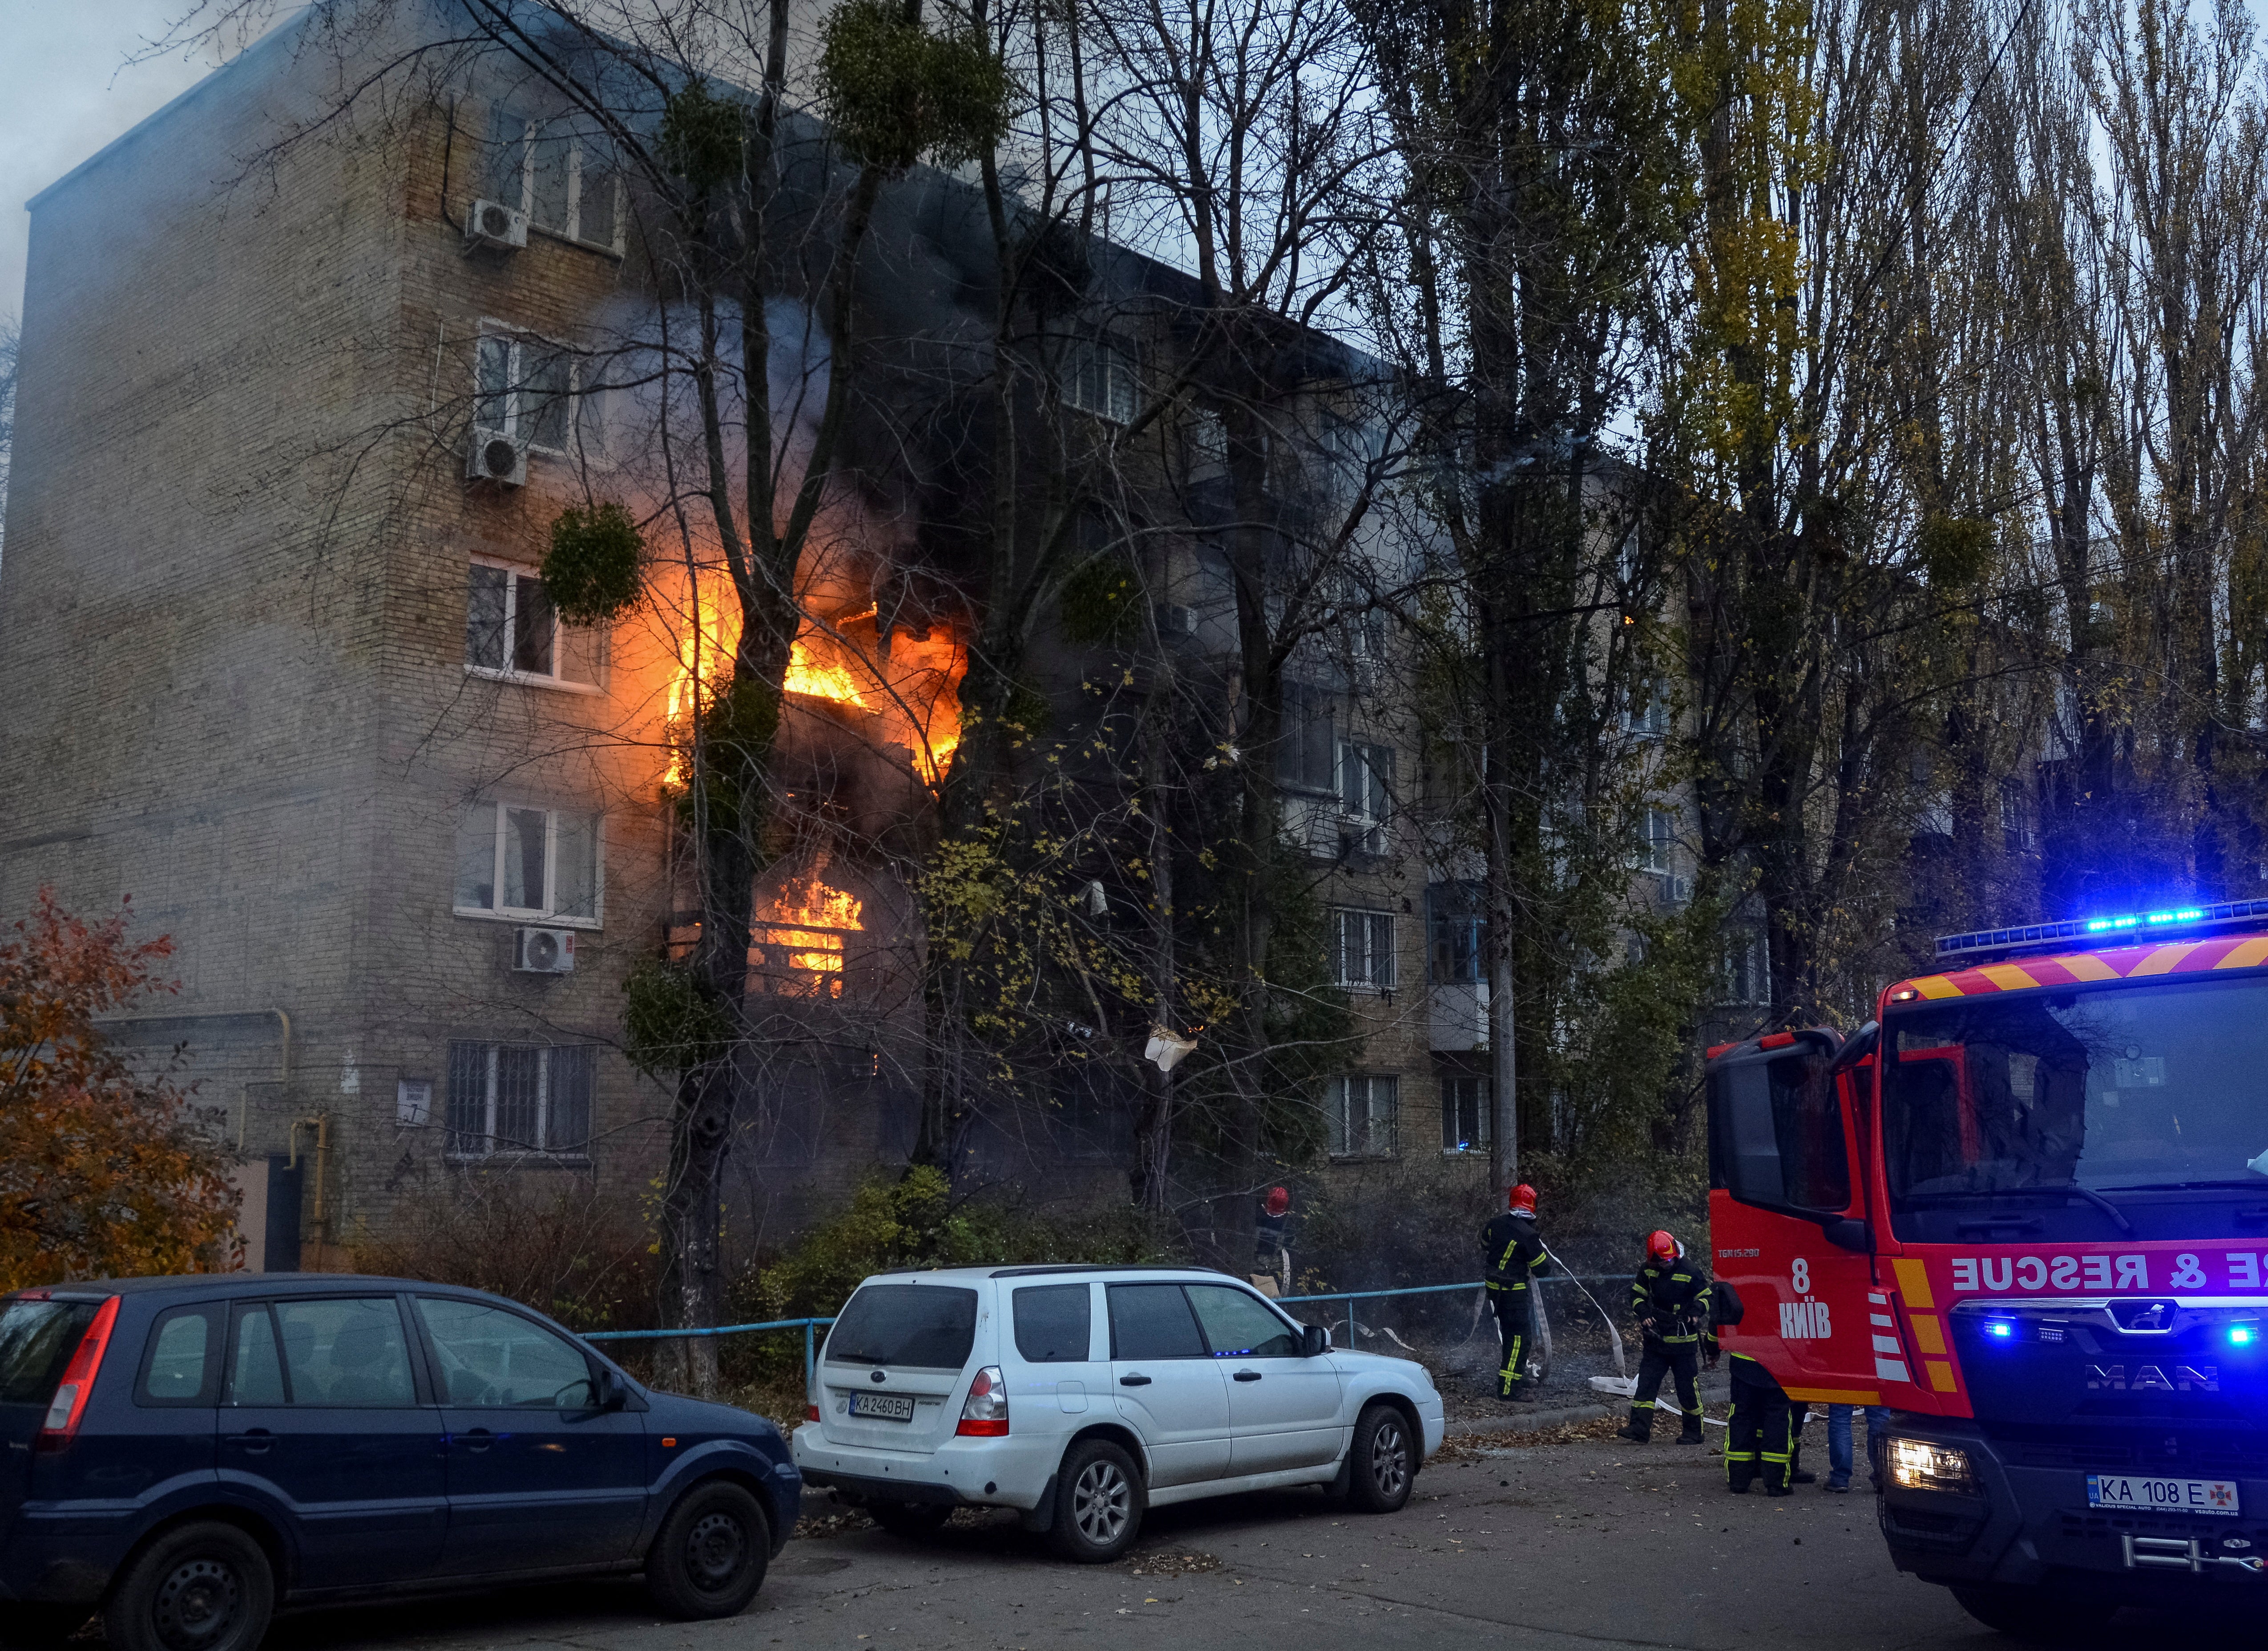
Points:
(2080, 933)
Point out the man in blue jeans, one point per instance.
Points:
(1839, 1441)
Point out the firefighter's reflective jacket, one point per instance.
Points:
(1511, 1252)
(1675, 1297)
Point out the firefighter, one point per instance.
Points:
(1512, 1254)
(1669, 1297)
(1759, 1432)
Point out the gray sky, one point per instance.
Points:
(66, 90)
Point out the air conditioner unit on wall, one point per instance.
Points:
(544, 952)
(1175, 619)
(492, 226)
(493, 457)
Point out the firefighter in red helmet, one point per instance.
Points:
(1670, 1299)
(1512, 1254)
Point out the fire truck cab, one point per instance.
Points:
(2026, 1209)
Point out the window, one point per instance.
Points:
(522, 860)
(1363, 1111)
(1306, 749)
(519, 1098)
(512, 630)
(1748, 968)
(557, 176)
(182, 1364)
(348, 1354)
(1660, 833)
(1459, 937)
(1366, 777)
(1366, 949)
(2015, 819)
(492, 1359)
(1055, 1322)
(1237, 1324)
(1466, 1112)
(1207, 438)
(524, 389)
(1099, 372)
(256, 1370)
(1152, 1320)
(1649, 719)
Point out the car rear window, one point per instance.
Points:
(927, 1326)
(1054, 1323)
(37, 1339)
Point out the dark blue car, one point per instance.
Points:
(185, 1454)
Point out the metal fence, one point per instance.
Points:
(810, 1327)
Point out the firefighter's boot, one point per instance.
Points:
(1689, 1433)
(1639, 1429)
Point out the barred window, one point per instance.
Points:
(1366, 949)
(519, 1098)
(1363, 1112)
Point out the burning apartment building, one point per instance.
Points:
(303, 391)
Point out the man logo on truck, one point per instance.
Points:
(2152, 1378)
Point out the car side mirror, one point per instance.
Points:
(610, 1390)
(1313, 1340)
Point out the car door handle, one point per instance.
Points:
(255, 1440)
(1133, 1381)
(478, 1438)
(1247, 1375)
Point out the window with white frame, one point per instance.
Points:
(1361, 1113)
(523, 860)
(1654, 847)
(1460, 933)
(1366, 780)
(519, 1098)
(1101, 371)
(1466, 1114)
(1365, 950)
(529, 390)
(512, 630)
(1748, 968)
(1649, 717)
(559, 176)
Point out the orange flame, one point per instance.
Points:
(914, 692)
(805, 924)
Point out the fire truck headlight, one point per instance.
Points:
(1918, 1465)
(2244, 1333)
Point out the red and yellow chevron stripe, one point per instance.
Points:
(2073, 968)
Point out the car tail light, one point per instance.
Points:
(811, 1412)
(985, 1413)
(69, 1405)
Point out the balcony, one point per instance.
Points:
(1458, 1015)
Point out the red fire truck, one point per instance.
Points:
(2026, 1209)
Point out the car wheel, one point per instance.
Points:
(1097, 1503)
(206, 1587)
(2034, 1614)
(709, 1558)
(37, 1627)
(911, 1519)
(1385, 1461)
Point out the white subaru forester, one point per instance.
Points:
(1085, 1395)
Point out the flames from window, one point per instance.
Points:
(910, 689)
(800, 932)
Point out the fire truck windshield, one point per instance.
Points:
(2009, 1099)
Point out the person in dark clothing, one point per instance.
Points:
(1512, 1254)
(1759, 1430)
(1669, 1298)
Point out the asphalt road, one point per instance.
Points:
(1585, 1544)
